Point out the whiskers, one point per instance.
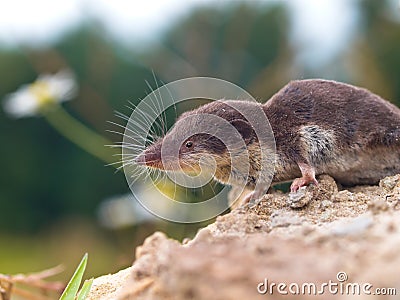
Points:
(146, 123)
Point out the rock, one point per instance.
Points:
(343, 196)
(349, 236)
(107, 287)
(354, 226)
(283, 218)
(324, 190)
(326, 204)
(300, 198)
(378, 205)
(389, 183)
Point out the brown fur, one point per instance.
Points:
(362, 130)
(335, 128)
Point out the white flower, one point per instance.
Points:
(31, 99)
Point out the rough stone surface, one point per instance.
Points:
(356, 231)
(108, 286)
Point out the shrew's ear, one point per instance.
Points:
(244, 128)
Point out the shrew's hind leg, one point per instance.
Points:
(308, 177)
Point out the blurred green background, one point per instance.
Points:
(51, 190)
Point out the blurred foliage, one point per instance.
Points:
(47, 177)
(241, 44)
(46, 180)
(376, 57)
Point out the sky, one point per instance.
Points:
(323, 28)
(320, 28)
(40, 21)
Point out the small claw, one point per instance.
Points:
(296, 184)
(294, 187)
(300, 182)
(308, 176)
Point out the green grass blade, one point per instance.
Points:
(73, 285)
(85, 290)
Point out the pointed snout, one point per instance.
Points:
(150, 157)
(141, 159)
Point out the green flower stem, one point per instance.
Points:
(79, 134)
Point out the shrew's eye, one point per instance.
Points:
(189, 144)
